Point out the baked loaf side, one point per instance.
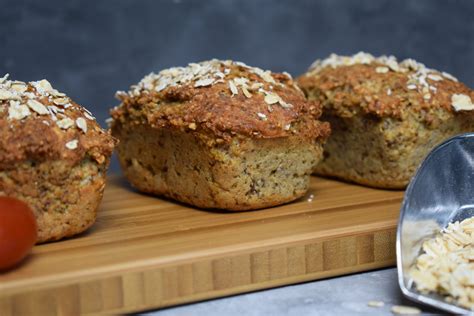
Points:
(384, 154)
(64, 196)
(245, 174)
(53, 155)
(385, 115)
(219, 134)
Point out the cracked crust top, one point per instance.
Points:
(39, 123)
(222, 99)
(384, 87)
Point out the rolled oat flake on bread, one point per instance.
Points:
(53, 155)
(385, 115)
(219, 134)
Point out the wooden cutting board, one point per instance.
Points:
(145, 252)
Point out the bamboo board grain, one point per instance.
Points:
(145, 252)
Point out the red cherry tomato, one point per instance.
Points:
(18, 231)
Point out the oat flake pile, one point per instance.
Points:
(446, 265)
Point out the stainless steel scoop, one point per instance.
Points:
(442, 191)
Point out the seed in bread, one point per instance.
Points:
(385, 115)
(219, 134)
(53, 155)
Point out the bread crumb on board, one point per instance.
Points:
(375, 304)
(405, 310)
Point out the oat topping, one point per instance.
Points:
(81, 124)
(288, 75)
(382, 70)
(206, 74)
(335, 61)
(37, 107)
(61, 101)
(72, 144)
(417, 72)
(43, 87)
(241, 102)
(434, 77)
(22, 100)
(265, 75)
(446, 265)
(120, 94)
(204, 82)
(109, 121)
(246, 92)
(18, 87)
(17, 111)
(271, 98)
(461, 102)
(4, 78)
(233, 87)
(65, 123)
(241, 83)
(89, 116)
(389, 61)
(262, 116)
(7, 95)
(450, 77)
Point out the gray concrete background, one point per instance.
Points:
(89, 49)
(347, 295)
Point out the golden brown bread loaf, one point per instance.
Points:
(53, 155)
(219, 134)
(385, 116)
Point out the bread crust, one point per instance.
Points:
(246, 139)
(359, 89)
(53, 155)
(385, 116)
(218, 112)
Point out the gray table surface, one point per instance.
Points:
(346, 295)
